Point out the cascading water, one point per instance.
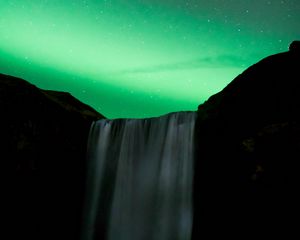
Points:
(140, 176)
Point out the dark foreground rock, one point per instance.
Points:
(43, 145)
(248, 154)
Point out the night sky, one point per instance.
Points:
(141, 58)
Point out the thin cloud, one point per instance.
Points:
(207, 62)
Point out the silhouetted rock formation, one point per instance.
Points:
(295, 47)
(247, 170)
(43, 140)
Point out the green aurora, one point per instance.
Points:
(141, 58)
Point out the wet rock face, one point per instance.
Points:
(43, 145)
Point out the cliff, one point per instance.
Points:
(43, 145)
(248, 150)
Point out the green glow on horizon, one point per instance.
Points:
(140, 58)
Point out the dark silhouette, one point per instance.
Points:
(43, 138)
(247, 169)
(295, 47)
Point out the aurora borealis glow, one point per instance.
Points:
(141, 58)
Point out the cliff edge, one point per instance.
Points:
(248, 150)
(43, 147)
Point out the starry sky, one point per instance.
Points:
(141, 58)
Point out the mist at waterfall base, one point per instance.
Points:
(140, 179)
(141, 58)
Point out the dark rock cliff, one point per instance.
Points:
(43, 145)
(248, 152)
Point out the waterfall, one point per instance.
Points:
(140, 177)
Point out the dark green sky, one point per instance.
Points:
(139, 58)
